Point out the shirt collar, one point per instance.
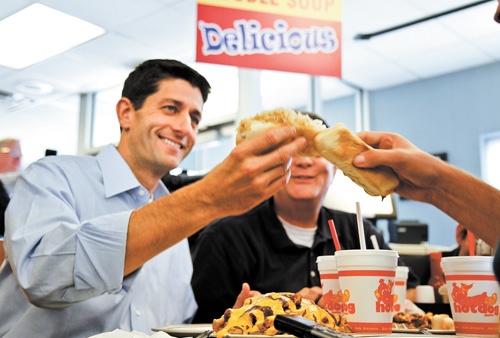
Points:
(277, 232)
(117, 175)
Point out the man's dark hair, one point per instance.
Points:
(312, 116)
(144, 80)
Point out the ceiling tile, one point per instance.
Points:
(473, 22)
(379, 76)
(434, 7)
(414, 39)
(445, 60)
(490, 44)
(10, 7)
(108, 14)
(367, 16)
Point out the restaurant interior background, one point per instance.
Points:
(436, 82)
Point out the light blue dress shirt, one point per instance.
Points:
(66, 230)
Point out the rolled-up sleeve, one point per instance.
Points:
(67, 239)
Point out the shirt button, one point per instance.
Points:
(142, 192)
(137, 313)
(313, 273)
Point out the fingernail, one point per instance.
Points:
(360, 159)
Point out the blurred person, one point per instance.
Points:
(97, 243)
(274, 247)
(10, 164)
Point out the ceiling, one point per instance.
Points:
(140, 30)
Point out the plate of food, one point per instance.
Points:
(187, 330)
(256, 318)
(417, 322)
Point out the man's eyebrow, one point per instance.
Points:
(180, 104)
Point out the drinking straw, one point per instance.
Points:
(361, 231)
(373, 238)
(472, 243)
(334, 235)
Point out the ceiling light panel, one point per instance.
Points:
(38, 32)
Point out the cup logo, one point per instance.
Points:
(333, 302)
(397, 306)
(385, 297)
(481, 303)
(347, 308)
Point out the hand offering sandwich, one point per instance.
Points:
(337, 144)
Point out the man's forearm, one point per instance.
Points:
(470, 201)
(165, 222)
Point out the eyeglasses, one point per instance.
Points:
(14, 153)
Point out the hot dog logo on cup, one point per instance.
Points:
(334, 302)
(385, 297)
(397, 307)
(481, 303)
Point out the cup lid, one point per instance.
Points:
(369, 257)
(327, 262)
(468, 264)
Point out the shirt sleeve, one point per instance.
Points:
(59, 254)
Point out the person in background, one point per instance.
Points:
(10, 164)
(274, 247)
(96, 243)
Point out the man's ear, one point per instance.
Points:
(124, 111)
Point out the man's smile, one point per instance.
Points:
(172, 143)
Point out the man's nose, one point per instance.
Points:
(183, 124)
(302, 161)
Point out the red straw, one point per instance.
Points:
(334, 235)
(472, 243)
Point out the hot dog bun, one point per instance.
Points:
(442, 322)
(260, 123)
(339, 146)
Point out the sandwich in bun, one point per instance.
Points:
(260, 123)
(337, 144)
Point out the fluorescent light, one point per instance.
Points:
(38, 32)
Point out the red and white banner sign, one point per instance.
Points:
(302, 36)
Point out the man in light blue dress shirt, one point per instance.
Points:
(97, 243)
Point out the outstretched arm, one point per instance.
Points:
(253, 172)
(425, 178)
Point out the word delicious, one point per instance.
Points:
(248, 37)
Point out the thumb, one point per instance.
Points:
(362, 161)
(244, 294)
(373, 158)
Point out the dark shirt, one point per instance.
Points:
(255, 248)
(496, 262)
(4, 200)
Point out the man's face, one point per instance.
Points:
(163, 131)
(310, 178)
(10, 157)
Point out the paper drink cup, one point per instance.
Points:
(367, 280)
(400, 288)
(332, 296)
(425, 294)
(473, 292)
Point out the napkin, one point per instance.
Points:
(134, 334)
